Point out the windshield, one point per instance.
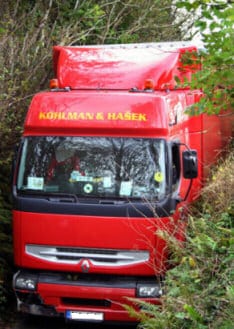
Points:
(97, 167)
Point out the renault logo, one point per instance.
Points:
(85, 266)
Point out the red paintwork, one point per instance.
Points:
(120, 67)
(115, 112)
(90, 112)
(116, 312)
(93, 232)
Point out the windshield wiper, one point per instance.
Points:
(52, 196)
(63, 198)
(111, 201)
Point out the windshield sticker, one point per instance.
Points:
(158, 177)
(76, 176)
(88, 188)
(107, 182)
(35, 183)
(125, 188)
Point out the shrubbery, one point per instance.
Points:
(6, 262)
(200, 290)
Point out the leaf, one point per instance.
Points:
(193, 314)
(180, 315)
(201, 24)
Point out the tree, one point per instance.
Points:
(215, 22)
(29, 29)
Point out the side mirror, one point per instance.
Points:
(190, 166)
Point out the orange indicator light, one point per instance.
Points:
(54, 84)
(149, 84)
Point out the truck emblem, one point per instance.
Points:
(85, 266)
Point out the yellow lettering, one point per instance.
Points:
(127, 116)
(89, 116)
(50, 115)
(135, 117)
(138, 117)
(99, 116)
(42, 116)
(61, 116)
(122, 116)
(111, 116)
(71, 116)
(81, 116)
(142, 117)
(119, 116)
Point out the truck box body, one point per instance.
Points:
(99, 173)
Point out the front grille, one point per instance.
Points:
(98, 257)
(97, 254)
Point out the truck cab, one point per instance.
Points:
(109, 158)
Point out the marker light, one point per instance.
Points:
(149, 84)
(25, 284)
(54, 84)
(25, 281)
(149, 290)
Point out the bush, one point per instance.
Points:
(200, 290)
(6, 247)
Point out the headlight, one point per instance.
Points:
(149, 290)
(25, 281)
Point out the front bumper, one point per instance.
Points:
(85, 295)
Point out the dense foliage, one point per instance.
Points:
(214, 21)
(200, 290)
(28, 30)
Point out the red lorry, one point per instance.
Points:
(108, 159)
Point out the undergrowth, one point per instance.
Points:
(200, 290)
(6, 257)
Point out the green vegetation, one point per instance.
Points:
(5, 241)
(200, 290)
(215, 21)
